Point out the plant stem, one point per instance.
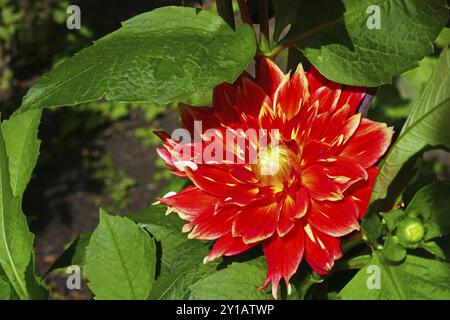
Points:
(245, 14)
(276, 51)
(225, 10)
(264, 20)
(351, 242)
(311, 279)
(353, 263)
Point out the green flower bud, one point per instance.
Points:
(410, 231)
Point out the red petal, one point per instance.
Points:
(294, 207)
(349, 127)
(213, 180)
(165, 156)
(360, 192)
(217, 181)
(317, 80)
(353, 96)
(344, 172)
(321, 250)
(369, 143)
(340, 125)
(190, 202)
(328, 98)
(214, 223)
(243, 175)
(350, 94)
(315, 151)
(227, 245)
(224, 98)
(319, 186)
(283, 256)
(249, 99)
(292, 93)
(287, 214)
(256, 223)
(205, 115)
(269, 76)
(335, 218)
(181, 151)
(223, 103)
(301, 202)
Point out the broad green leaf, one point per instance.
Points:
(426, 126)
(16, 241)
(432, 205)
(181, 258)
(74, 254)
(415, 278)
(335, 37)
(160, 56)
(433, 248)
(444, 38)
(120, 260)
(22, 146)
(239, 281)
(393, 251)
(5, 289)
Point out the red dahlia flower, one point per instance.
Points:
(326, 155)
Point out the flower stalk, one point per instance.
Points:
(264, 20)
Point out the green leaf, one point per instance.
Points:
(371, 227)
(22, 147)
(393, 250)
(160, 56)
(416, 278)
(5, 289)
(181, 258)
(239, 281)
(120, 260)
(433, 248)
(16, 241)
(426, 126)
(391, 218)
(444, 38)
(335, 37)
(432, 205)
(74, 254)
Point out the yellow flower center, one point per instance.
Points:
(274, 166)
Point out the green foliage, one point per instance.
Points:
(16, 241)
(426, 126)
(415, 278)
(5, 289)
(236, 282)
(159, 50)
(183, 274)
(178, 53)
(74, 253)
(181, 258)
(334, 36)
(393, 250)
(22, 146)
(120, 260)
(432, 205)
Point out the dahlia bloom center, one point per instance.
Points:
(274, 166)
